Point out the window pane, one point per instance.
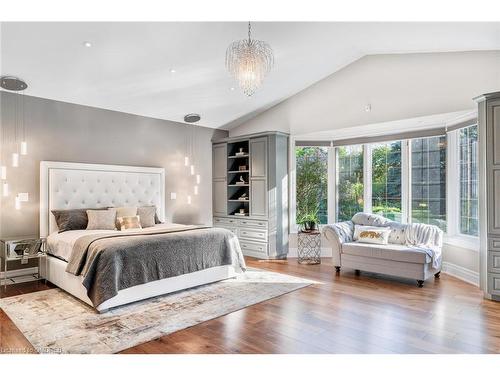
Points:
(428, 181)
(312, 183)
(386, 179)
(468, 155)
(350, 181)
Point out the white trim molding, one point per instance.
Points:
(461, 273)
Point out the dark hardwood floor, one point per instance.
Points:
(344, 314)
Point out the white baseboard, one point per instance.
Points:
(325, 252)
(461, 273)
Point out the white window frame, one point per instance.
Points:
(452, 236)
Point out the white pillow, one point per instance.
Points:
(378, 235)
(101, 219)
(360, 228)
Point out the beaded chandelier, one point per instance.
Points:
(249, 61)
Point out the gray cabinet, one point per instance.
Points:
(258, 197)
(258, 157)
(489, 193)
(250, 192)
(219, 170)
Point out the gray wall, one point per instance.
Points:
(58, 131)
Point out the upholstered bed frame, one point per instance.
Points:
(77, 185)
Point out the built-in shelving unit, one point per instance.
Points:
(260, 162)
(238, 156)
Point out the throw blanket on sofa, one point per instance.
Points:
(427, 238)
(112, 262)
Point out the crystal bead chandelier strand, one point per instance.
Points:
(249, 61)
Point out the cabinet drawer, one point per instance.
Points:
(253, 223)
(494, 244)
(259, 235)
(218, 221)
(494, 283)
(232, 229)
(494, 261)
(253, 247)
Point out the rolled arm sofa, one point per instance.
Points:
(396, 258)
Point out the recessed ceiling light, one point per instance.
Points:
(192, 117)
(173, 70)
(232, 89)
(87, 44)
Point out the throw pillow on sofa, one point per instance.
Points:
(375, 235)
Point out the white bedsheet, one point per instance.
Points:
(61, 244)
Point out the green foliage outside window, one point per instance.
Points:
(312, 184)
(350, 181)
(386, 180)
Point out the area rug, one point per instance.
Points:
(56, 322)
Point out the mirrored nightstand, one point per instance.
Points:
(21, 250)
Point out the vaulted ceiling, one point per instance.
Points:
(166, 70)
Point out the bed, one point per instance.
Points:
(215, 251)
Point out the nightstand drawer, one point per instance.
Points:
(251, 247)
(494, 261)
(256, 235)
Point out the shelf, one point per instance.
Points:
(241, 185)
(239, 200)
(238, 156)
(247, 171)
(239, 215)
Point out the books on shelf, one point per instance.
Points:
(240, 214)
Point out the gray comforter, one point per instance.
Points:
(112, 262)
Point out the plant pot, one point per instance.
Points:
(309, 226)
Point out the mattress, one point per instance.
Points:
(61, 245)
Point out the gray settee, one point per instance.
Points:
(403, 256)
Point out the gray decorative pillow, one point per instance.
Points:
(147, 215)
(397, 235)
(74, 219)
(362, 218)
(101, 219)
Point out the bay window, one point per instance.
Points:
(429, 177)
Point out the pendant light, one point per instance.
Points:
(20, 144)
(249, 61)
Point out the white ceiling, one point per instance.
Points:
(128, 67)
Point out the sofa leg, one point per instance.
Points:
(420, 283)
(337, 269)
(437, 275)
(357, 272)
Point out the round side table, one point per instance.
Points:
(309, 247)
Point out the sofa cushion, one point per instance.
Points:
(362, 218)
(397, 235)
(396, 252)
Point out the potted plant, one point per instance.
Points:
(309, 221)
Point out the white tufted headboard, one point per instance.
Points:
(76, 185)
